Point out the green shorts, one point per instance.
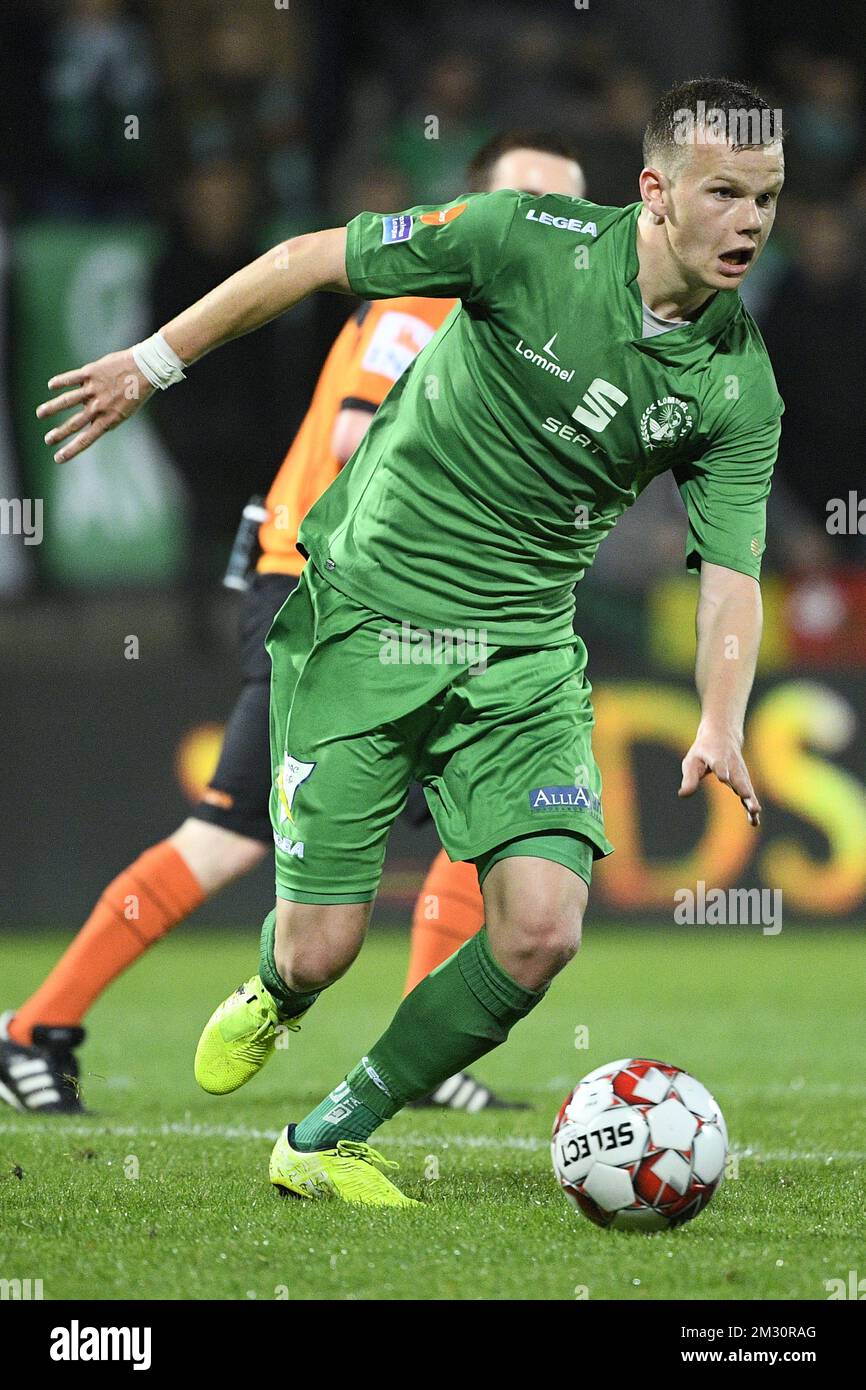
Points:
(360, 706)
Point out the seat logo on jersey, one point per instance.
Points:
(438, 219)
(664, 422)
(568, 224)
(396, 228)
(290, 776)
(597, 411)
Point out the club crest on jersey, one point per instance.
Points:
(289, 777)
(664, 422)
(396, 228)
(438, 219)
(565, 799)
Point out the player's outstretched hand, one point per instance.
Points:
(720, 755)
(103, 394)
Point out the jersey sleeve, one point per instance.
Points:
(725, 493)
(395, 338)
(450, 250)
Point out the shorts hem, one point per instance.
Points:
(601, 846)
(296, 895)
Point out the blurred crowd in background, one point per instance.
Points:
(255, 119)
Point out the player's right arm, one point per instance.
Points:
(106, 392)
(450, 252)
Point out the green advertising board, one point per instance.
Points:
(116, 514)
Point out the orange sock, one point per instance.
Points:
(449, 910)
(140, 906)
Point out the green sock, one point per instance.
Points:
(341, 1115)
(289, 1002)
(456, 1015)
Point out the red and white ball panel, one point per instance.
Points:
(709, 1153)
(671, 1125)
(610, 1188)
(695, 1096)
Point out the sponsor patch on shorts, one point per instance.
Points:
(565, 799)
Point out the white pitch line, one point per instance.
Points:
(428, 1142)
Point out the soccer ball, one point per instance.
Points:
(639, 1145)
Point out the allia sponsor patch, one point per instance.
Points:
(564, 799)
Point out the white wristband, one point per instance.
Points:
(158, 361)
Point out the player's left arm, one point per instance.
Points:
(729, 620)
(725, 490)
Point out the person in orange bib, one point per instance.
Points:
(229, 832)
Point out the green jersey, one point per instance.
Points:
(534, 417)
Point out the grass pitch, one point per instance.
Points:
(162, 1192)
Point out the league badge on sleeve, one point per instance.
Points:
(396, 228)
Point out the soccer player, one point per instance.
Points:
(229, 833)
(594, 348)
